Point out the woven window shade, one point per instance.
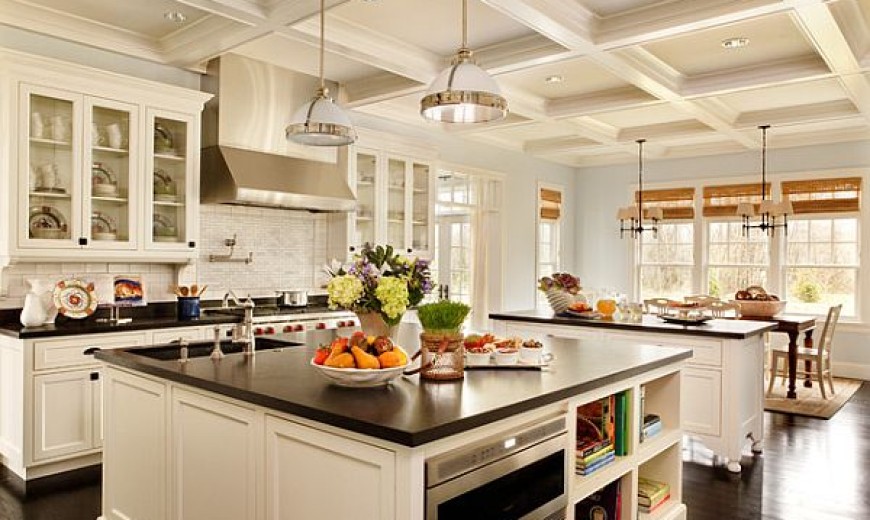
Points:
(676, 203)
(721, 201)
(824, 195)
(551, 204)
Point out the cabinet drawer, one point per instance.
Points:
(70, 352)
(160, 337)
(705, 352)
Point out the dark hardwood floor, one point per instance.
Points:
(810, 469)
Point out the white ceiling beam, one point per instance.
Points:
(605, 100)
(520, 54)
(377, 88)
(822, 30)
(61, 25)
(239, 11)
(662, 131)
(784, 71)
(830, 110)
(557, 145)
(566, 22)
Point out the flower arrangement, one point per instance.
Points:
(379, 280)
(563, 281)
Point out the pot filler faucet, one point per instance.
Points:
(243, 332)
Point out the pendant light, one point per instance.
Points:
(768, 210)
(635, 214)
(320, 122)
(463, 92)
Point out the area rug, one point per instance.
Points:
(809, 401)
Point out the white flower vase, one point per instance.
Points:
(373, 324)
(559, 300)
(33, 314)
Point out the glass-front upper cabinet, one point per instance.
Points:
(172, 191)
(111, 191)
(366, 183)
(397, 214)
(421, 208)
(50, 168)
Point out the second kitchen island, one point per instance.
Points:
(265, 437)
(723, 383)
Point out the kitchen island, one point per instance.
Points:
(723, 383)
(267, 437)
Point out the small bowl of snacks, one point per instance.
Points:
(532, 352)
(507, 356)
(479, 355)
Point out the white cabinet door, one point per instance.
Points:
(361, 477)
(63, 414)
(701, 401)
(135, 468)
(217, 453)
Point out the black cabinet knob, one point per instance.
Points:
(83, 241)
(352, 249)
(191, 244)
(410, 250)
(95, 376)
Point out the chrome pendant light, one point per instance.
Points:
(635, 214)
(768, 210)
(463, 92)
(321, 122)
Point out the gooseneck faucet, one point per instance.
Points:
(243, 332)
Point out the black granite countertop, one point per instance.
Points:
(68, 327)
(730, 329)
(410, 411)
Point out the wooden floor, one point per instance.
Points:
(811, 469)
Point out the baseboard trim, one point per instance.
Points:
(851, 370)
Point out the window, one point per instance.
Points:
(822, 247)
(735, 260)
(666, 261)
(549, 236)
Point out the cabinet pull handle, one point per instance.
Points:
(83, 241)
(191, 244)
(410, 250)
(95, 376)
(90, 351)
(352, 249)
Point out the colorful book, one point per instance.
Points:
(587, 449)
(652, 430)
(621, 425)
(601, 505)
(648, 510)
(607, 459)
(590, 459)
(651, 492)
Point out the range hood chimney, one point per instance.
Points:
(246, 159)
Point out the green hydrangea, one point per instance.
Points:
(392, 292)
(344, 291)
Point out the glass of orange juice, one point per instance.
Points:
(606, 306)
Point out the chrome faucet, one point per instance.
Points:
(225, 303)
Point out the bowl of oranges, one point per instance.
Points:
(360, 361)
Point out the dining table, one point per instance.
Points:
(793, 325)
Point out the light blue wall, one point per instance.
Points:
(603, 259)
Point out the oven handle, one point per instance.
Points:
(483, 475)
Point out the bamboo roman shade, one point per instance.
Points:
(676, 203)
(824, 195)
(721, 201)
(551, 204)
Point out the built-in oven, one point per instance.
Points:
(521, 474)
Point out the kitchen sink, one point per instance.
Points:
(204, 348)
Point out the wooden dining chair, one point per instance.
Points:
(703, 299)
(720, 309)
(820, 356)
(656, 306)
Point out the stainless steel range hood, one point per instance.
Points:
(246, 159)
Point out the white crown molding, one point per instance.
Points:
(812, 112)
(661, 131)
(601, 101)
(779, 72)
(377, 88)
(240, 11)
(566, 22)
(556, 145)
(521, 53)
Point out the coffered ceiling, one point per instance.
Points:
(629, 69)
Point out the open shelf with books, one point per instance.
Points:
(617, 459)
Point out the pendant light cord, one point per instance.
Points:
(640, 181)
(764, 161)
(322, 42)
(464, 24)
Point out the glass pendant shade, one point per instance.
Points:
(320, 122)
(463, 93)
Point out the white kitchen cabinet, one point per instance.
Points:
(82, 140)
(64, 413)
(395, 201)
(343, 463)
(701, 401)
(216, 458)
(135, 482)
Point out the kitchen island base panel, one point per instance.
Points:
(723, 383)
(171, 439)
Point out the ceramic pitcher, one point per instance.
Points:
(33, 314)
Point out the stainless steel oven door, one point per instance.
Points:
(528, 485)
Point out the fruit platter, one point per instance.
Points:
(360, 361)
(581, 309)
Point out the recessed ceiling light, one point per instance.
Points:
(735, 43)
(555, 78)
(175, 17)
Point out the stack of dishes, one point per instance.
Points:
(103, 227)
(164, 186)
(47, 222)
(103, 181)
(164, 229)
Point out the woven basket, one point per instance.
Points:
(760, 309)
(559, 300)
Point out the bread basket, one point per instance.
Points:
(759, 308)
